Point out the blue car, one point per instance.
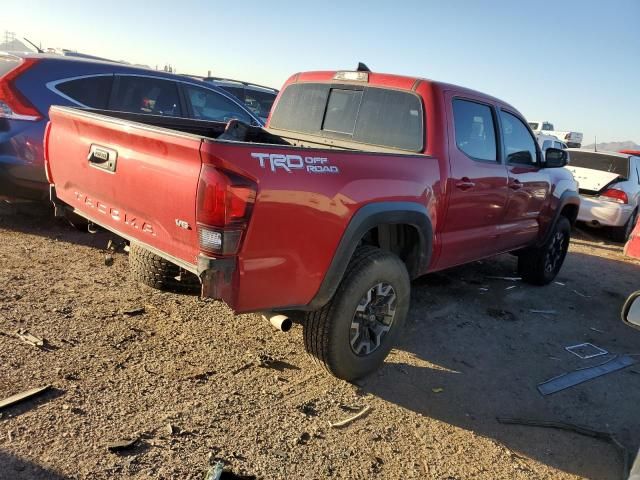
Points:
(31, 83)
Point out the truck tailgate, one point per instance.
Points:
(139, 182)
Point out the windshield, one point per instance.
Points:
(533, 125)
(601, 162)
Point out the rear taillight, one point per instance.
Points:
(45, 149)
(13, 104)
(615, 195)
(224, 205)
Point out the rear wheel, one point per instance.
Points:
(156, 272)
(622, 234)
(540, 266)
(352, 334)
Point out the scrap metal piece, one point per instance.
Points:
(582, 375)
(19, 397)
(586, 350)
(120, 445)
(27, 337)
(347, 421)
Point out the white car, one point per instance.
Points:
(609, 186)
(572, 139)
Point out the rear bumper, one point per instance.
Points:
(603, 212)
(22, 171)
(23, 181)
(218, 278)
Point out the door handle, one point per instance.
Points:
(102, 158)
(515, 185)
(465, 184)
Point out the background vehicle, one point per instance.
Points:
(572, 139)
(257, 98)
(348, 194)
(549, 141)
(609, 186)
(31, 83)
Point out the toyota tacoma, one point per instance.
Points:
(359, 183)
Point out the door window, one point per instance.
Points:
(91, 92)
(210, 105)
(475, 130)
(147, 95)
(546, 144)
(519, 145)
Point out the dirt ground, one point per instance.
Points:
(194, 383)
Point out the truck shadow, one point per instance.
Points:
(37, 219)
(474, 351)
(16, 468)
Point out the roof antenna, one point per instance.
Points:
(362, 67)
(38, 49)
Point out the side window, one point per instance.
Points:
(92, 92)
(519, 145)
(546, 144)
(475, 130)
(547, 126)
(147, 95)
(557, 145)
(210, 105)
(259, 102)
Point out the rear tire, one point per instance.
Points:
(156, 272)
(539, 266)
(622, 234)
(352, 334)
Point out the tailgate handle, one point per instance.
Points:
(103, 158)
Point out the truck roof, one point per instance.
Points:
(400, 82)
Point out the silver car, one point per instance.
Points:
(609, 185)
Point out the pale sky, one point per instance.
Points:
(574, 63)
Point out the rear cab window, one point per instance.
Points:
(363, 114)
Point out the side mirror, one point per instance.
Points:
(555, 158)
(631, 310)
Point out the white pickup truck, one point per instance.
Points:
(572, 139)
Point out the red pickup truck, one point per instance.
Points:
(360, 182)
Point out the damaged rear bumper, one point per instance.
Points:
(218, 277)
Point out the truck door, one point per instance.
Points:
(477, 184)
(528, 184)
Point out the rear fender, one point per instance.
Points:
(366, 218)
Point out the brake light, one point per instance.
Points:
(615, 195)
(45, 149)
(224, 205)
(13, 104)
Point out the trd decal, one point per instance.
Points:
(289, 163)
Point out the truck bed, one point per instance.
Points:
(305, 196)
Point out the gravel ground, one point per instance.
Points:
(194, 383)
